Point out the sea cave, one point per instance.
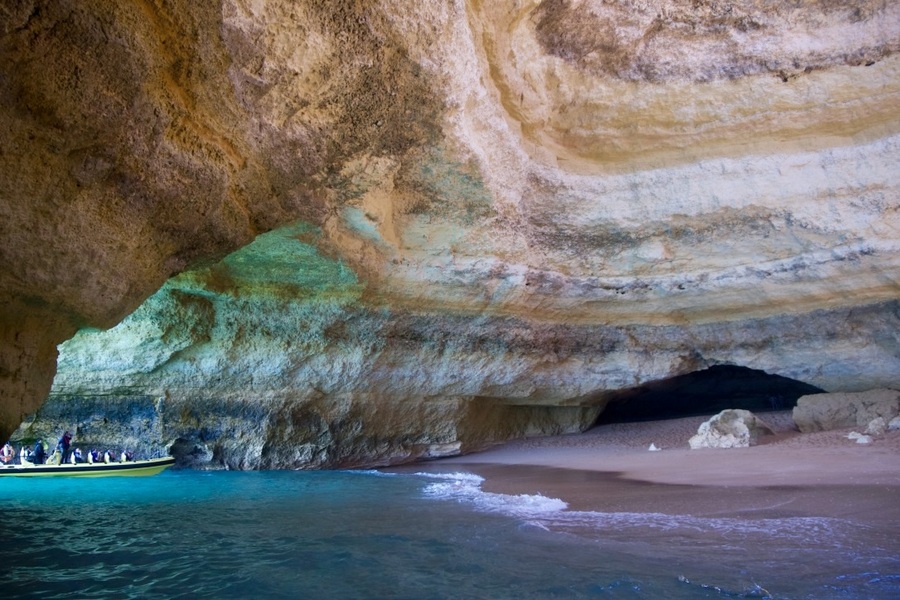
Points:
(273, 236)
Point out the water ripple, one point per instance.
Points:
(360, 535)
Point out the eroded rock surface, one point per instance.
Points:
(822, 412)
(732, 428)
(500, 204)
(271, 358)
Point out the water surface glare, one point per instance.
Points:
(187, 534)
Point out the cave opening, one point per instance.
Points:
(705, 392)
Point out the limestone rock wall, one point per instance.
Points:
(272, 358)
(140, 137)
(535, 202)
(822, 412)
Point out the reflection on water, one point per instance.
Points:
(369, 535)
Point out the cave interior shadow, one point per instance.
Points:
(705, 392)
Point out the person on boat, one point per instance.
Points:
(62, 446)
(38, 453)
(7, 453)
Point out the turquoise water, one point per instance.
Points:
(188, 534)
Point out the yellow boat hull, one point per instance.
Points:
(137, 468)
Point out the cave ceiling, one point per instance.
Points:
(551, 199)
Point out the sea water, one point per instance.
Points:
(186, 534)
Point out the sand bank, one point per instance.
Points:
(609, 468)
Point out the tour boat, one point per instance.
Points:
(150, 466)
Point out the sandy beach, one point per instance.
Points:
(610, 469)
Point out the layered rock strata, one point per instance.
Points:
(273, 359)
(537, 203)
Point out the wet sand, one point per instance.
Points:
(789, 474)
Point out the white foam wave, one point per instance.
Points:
(455, 476)
(552, 513)
(790, 525)
(466, 487)
(374, 472)
(799, 531)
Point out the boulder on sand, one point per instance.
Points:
(876, 426)
(732, 428)
(859, 437)
(823, 412)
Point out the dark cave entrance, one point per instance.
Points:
(705, 392)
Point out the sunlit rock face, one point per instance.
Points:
(532, 203)
(141, 137)
(273, 358)
(270, 359)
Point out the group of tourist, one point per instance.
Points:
(64, 453)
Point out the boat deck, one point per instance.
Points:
(147, 467)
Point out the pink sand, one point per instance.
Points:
(610, 468)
